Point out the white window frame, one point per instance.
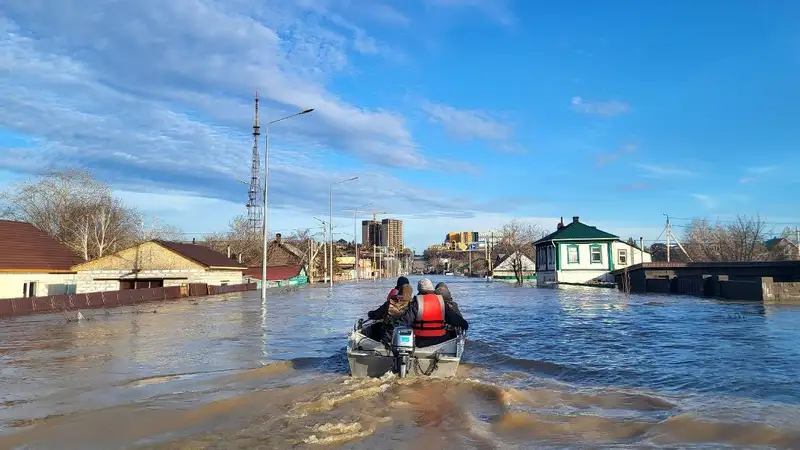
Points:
(622, 256)
(599, 255)
(577, 254)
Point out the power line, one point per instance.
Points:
(732, 221)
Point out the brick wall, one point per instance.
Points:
(92, 280)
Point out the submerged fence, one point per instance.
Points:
(110, 299)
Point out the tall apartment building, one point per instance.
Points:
(392, 233)
(371, 232)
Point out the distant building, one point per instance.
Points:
(579, 253)
(392, 234)
(371, 232)
(461, 237)
(33, 264)
(782, 249)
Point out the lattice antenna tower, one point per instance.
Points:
(255, 199)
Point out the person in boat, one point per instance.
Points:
(444, 291)
(380, 312)
(397, 306)
(402, 281)
(391, 309)
(428, 315)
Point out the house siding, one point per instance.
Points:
(635, 256)
(12, 284)
(148, 261)
(561, 270)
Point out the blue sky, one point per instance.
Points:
(455, 114)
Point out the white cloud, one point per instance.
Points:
(496, 10)
(605, 109)
(190, 212)
(606, 158)
(706, 200)
(761, 170)
(117, 79)
(657, 171)
(471, 124)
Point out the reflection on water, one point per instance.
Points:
(560, 368)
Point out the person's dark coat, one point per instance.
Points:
(444, 291)
(380, 312)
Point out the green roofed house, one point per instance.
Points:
(580, 253)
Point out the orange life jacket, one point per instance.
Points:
(392, 293)
(430, 316)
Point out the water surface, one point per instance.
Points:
(543, 368)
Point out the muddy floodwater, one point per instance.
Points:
(543, 368)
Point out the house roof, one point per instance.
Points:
(289, 247)
(25, 247)
(201, 254)
(274, 273)
(577, 231)
(771, 243)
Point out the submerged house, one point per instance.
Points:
(580, 253)
(504, 267)
(278, 276)
(158, 264)
(33, 264)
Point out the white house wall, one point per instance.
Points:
(635, 256)
(12, 284)
(584, 260)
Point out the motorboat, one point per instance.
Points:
(370, 358)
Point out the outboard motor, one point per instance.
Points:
(402, 348)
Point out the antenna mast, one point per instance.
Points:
(255, 209)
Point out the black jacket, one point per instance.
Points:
(379, 313)
(450, 316)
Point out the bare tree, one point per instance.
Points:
(76, 209)
(241, 239)
(516, 240)
(740, 240)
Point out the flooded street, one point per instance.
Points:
(543, 368)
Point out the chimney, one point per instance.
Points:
(575, 219)
(278, 238)
(229, 251)
(560, 224)
(239, 258)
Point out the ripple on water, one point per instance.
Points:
(563, 367)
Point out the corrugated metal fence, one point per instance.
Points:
(110, 299)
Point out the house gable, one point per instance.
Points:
(146, 256)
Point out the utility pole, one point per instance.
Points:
(330, 219)
(671, 236)
(324, 247)
(669, 232)
(372, 241)
(356, 212)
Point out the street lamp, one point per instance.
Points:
(266, 179)
(330, 220)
